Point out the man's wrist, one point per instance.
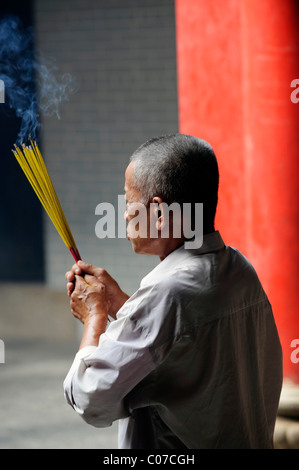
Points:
(93, 328)
(121, 300)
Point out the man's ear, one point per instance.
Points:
(157, 200)
(159, 213)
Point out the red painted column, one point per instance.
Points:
(236, 61)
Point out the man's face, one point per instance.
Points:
(138, 217)
(141, 221)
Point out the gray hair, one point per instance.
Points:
(178, 168)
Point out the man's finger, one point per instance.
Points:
(91, 280)
(70, 276)
(77, 286)
(89, 268)
(70, 287)
(76, 269)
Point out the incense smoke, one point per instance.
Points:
(32, 88)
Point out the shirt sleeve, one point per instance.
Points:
(101, 376)
(130, 349)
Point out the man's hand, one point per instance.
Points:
(89, 299)
(115, 296)
(90, 304)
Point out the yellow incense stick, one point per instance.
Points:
(31, 161)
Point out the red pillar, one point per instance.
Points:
(236, 61)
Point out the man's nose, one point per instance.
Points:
(126, 213)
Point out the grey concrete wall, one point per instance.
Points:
(35, 311)
(122, 54)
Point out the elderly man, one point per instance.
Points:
(192, 359)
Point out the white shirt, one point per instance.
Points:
(193, 359)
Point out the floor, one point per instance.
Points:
(33, 411)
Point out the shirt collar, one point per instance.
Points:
(211, 242)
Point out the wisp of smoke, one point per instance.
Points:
(32, 85)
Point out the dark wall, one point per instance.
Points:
(21, 235)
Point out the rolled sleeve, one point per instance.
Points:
(101, 376)
(133, 345)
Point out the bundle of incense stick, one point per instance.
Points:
(33, 165)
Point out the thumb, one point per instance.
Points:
(79, 281)
(88, 268)
(91, 280)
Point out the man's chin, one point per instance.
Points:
(132, 243)
(137, 246)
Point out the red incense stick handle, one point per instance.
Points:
(75, 254)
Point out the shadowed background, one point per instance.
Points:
(219, 70)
